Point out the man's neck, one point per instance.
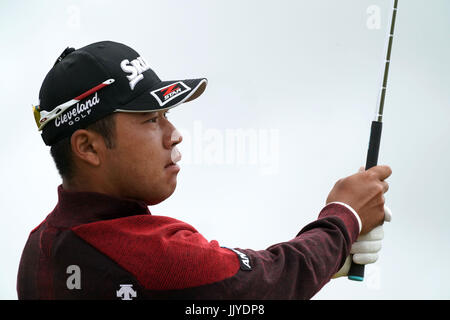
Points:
(85, 185)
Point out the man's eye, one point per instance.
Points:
(152, 120)
(155, 118)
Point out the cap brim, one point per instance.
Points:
(166, 95)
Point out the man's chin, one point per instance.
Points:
(156, 200)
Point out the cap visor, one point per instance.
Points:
(166, 95)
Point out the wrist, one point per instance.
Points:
(346, 214)
(352, 211)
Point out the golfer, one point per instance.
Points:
(103, 112)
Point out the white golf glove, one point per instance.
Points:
(365, 249)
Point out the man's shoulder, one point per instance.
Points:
(145, 224)
(161, 252)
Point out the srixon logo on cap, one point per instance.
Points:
(135, 68)
(167, 93)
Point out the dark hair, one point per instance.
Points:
(61, 151)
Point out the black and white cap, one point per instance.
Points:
(92, 82)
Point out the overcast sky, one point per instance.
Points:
(292, 91)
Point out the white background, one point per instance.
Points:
(306, 72)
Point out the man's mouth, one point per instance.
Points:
(175, 156)
(170, 164)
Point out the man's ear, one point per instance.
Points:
(87, 146)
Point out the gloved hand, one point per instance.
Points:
(365, 249)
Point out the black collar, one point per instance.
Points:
(75, 208)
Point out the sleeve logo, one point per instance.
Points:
(243, 259)
(170, 92)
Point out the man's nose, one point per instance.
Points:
(175, 138)
(172, 137)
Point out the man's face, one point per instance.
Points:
(140, 166)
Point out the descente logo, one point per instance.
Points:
(80, 111)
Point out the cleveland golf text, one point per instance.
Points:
(74, 114)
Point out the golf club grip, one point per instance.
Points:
(374, 144)
(356, 271)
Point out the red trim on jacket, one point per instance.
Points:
(161, 252)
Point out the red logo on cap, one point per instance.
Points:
(169, 89)
(169, 92)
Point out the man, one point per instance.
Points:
(103, 112)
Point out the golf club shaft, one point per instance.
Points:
(356, 271)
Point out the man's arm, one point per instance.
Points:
(170, 259)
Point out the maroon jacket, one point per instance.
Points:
(93, 246)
